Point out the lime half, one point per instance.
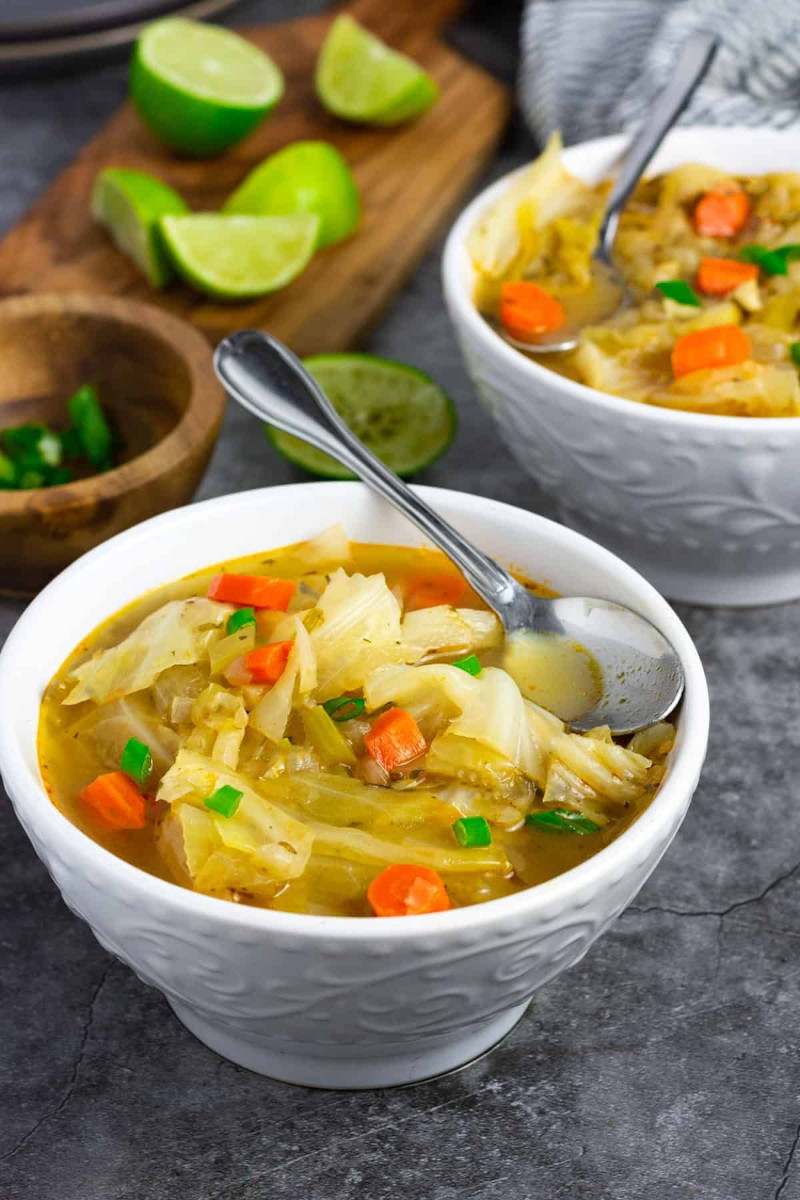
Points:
(360, 79)
(303, 177)
(397, 411)
(130, 204)
(234, 258)
(200, 88)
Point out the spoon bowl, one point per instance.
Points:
(640, 678)
(696, 57)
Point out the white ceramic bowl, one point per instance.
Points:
(332, 1002)
(707, 508)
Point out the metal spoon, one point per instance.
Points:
(642, 678)
(696, 57)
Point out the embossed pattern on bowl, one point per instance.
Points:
(706, 507)
(332, 1002)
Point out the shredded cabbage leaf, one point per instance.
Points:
(497, 717)
(428, 632)
(330, 546)
(343, 800)
(432, 693)
(505, 241)
(614, 772)
(261, 833)
(176, 634)
(271, 714)
(110, 726)
(360, 631)
(488, 709)
(360, 846)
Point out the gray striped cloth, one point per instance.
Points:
(592, 67)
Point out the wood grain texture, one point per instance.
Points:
(155, 379)
(411, 179)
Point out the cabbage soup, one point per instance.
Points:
(711, 261)
(336, 729)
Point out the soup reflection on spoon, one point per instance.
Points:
(642, 676)
(580, 306)
(556, 673)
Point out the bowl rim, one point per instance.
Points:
(674, 794)
(455, 260)
(201, 417)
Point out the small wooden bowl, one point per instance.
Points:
(155, 377)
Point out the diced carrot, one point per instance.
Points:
(526, 310)
(717, 276)
(405, 890)
(717, 346)
(116, 800)
(266, 664)
(394, 739)
(440, 587)
(722, 212)
(257, 591)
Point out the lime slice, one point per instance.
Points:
(131, 204)
(233, 258)
(303, 177)
(200, 88)
(361, 79)
(397, 411)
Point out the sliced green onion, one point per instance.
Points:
(328, 741)
(344, 708)
(71, 443)
(8, 474)
(225, 800)
(679, 291)
(32, 448)
(50, 448)
(794, 353)
(472, 665)
(92, 427)
(789, 253)
(22, 442)
(562, 820)
(136, 761)
(770, 261)
(239, 619)
(472, 831)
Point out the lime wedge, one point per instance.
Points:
(233, 258)
(361, 79)
(412, 103)
(131, 204)
(303, 177)
(397, 411)
(200, 88)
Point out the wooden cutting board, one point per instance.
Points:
(412, 180)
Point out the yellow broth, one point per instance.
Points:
(332, 884)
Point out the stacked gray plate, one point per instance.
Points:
(36, 34)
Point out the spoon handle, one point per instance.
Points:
(696, 56)
(266, 378)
